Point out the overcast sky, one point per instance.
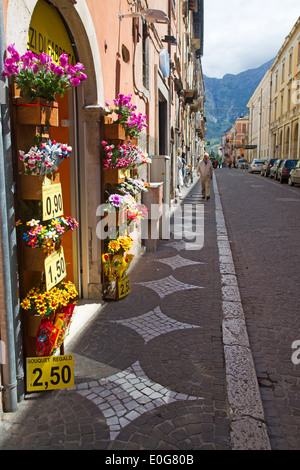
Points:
(244, 34)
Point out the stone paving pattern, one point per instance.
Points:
(149, 369)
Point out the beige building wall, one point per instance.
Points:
(285, 98)
(259, 119)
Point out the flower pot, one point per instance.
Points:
(34, 258)
(37, 112)
(114, 131)
(31, 186)
(134, 140)
(115, 175)
(116, 290)
(134, 173)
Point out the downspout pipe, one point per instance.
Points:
(8, 368)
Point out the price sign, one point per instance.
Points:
(49, 373)
(52, 201)
(55, 268)
(123, 286)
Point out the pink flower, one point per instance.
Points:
(44, 58)
(59, 71)
(75, 81)
(64, 59)
(14, 54)
(79, 66)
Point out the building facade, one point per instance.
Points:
(148, 49)
(274, 108)
(259, 119)
(285, 103)
(234, 141)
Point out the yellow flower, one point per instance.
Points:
(114, 246)
(125, 242)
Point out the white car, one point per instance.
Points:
(295, 175)
(256, 166)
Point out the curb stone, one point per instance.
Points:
(248, 427)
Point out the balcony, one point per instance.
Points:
(189, 95)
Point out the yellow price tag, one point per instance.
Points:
(49, 373)
(52, 201)
(124, 286)
(55, 268)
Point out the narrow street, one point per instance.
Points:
(149, 369)
(167, 368)
(262, 218)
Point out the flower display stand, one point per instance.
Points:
(115, 175)
(31, 186)
(134, 173)
(116, 290)
(114, 131)
(33, 258)
(37, 112)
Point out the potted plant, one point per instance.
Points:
(115, 265)
(44, 239)
(127, 123)
(48, 315)
(39, 79)
(38, 163)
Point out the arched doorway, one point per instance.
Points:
(295, 141)
(286, 146)
(79, 124)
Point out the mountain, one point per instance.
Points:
(227, 98)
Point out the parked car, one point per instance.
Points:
(284, 169)
(242, 163)
(294, 176)
(274, 168)
(265, 171)
(255, 166)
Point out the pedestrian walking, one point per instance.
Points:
(205, 171)
(183, 164)
(179, 167)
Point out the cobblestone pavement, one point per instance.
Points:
(263, 225)
(150, 370)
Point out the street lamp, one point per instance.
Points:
(150, 15)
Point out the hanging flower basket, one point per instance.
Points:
(115, 175)
(34, 258)
(31, 186)
(38, 112)
(114, 131)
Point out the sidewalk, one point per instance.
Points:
(157, 370)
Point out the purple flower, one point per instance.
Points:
(79, 66)
(70, 69)
(116, 200)
(82, 77)
(75, 81)
(14, 54)
(28, 57)
(64, 59)
(59, 71)
(44, 58)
